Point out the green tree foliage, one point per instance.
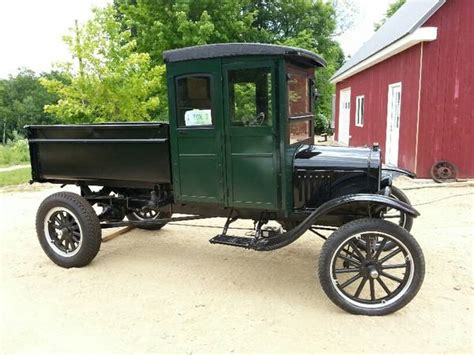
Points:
(389, 13)
(22, 99)
(110, 80)
(158, 25)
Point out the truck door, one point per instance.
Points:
(250, 123)
(196, 139)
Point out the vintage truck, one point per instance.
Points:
(239, 145)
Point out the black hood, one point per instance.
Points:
(336, 158)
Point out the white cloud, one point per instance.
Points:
(31, 31)
(370, 11)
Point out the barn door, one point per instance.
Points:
(344, 116)
(393, 123)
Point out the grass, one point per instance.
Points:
(14, 153)
(15, 177)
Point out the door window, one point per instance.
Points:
(250, 97)
(193, 97)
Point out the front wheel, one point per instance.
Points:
(68, 229)
(404, 220)
(365, 278)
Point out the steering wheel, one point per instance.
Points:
(258, 120)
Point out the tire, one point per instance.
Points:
(68, 229)
(407, 221)
(148, 216)
(405, 280)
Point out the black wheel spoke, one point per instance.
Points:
(391, 255)
(352, 255)
(349, 260)
(384, 286)
(392, 216)
(360, 288)
(391, 277)
(345, 271)
(56, 220)
(394, 266)
(380, 248)
(350, 281)
(367, 247)
(356, 250)
(372, 289)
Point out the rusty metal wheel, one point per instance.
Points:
(444, 171)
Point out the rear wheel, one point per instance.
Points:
(371, 280)
(148, 214)
(68, 229)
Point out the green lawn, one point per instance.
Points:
(15, 177)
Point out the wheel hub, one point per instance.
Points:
(372, 271)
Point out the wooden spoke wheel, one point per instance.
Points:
(371, 280)
(148, 214)
(444, 171)
(68, 229)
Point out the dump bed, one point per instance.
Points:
(112, 154)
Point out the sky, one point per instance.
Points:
(31, 30)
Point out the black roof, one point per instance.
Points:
(242, 49)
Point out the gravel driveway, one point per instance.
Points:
(172, 291)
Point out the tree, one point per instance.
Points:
(22, 99)
(389, 13)
(110, 80)
(160, 25)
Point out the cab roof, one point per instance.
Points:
(222, 50)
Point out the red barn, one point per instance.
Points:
(411, 88)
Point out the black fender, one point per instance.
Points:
(394, 172)
(284, 239)
(391, 172)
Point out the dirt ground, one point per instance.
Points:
(172, 291)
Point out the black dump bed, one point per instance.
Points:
(112, 154)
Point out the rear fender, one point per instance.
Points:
(284, 239)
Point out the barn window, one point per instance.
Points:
(360, 111)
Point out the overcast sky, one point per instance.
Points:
(31, 30)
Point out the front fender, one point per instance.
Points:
(394, 172)
(284, 239)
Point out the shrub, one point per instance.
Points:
(14, 152)
(321, 124)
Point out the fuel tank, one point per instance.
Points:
(325, 172)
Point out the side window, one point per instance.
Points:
(301, 96)
(250, 97)
(193, 100)
(360, 111)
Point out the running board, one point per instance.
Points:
(241, 242)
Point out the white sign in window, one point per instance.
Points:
(198, 118)
(360, 111)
